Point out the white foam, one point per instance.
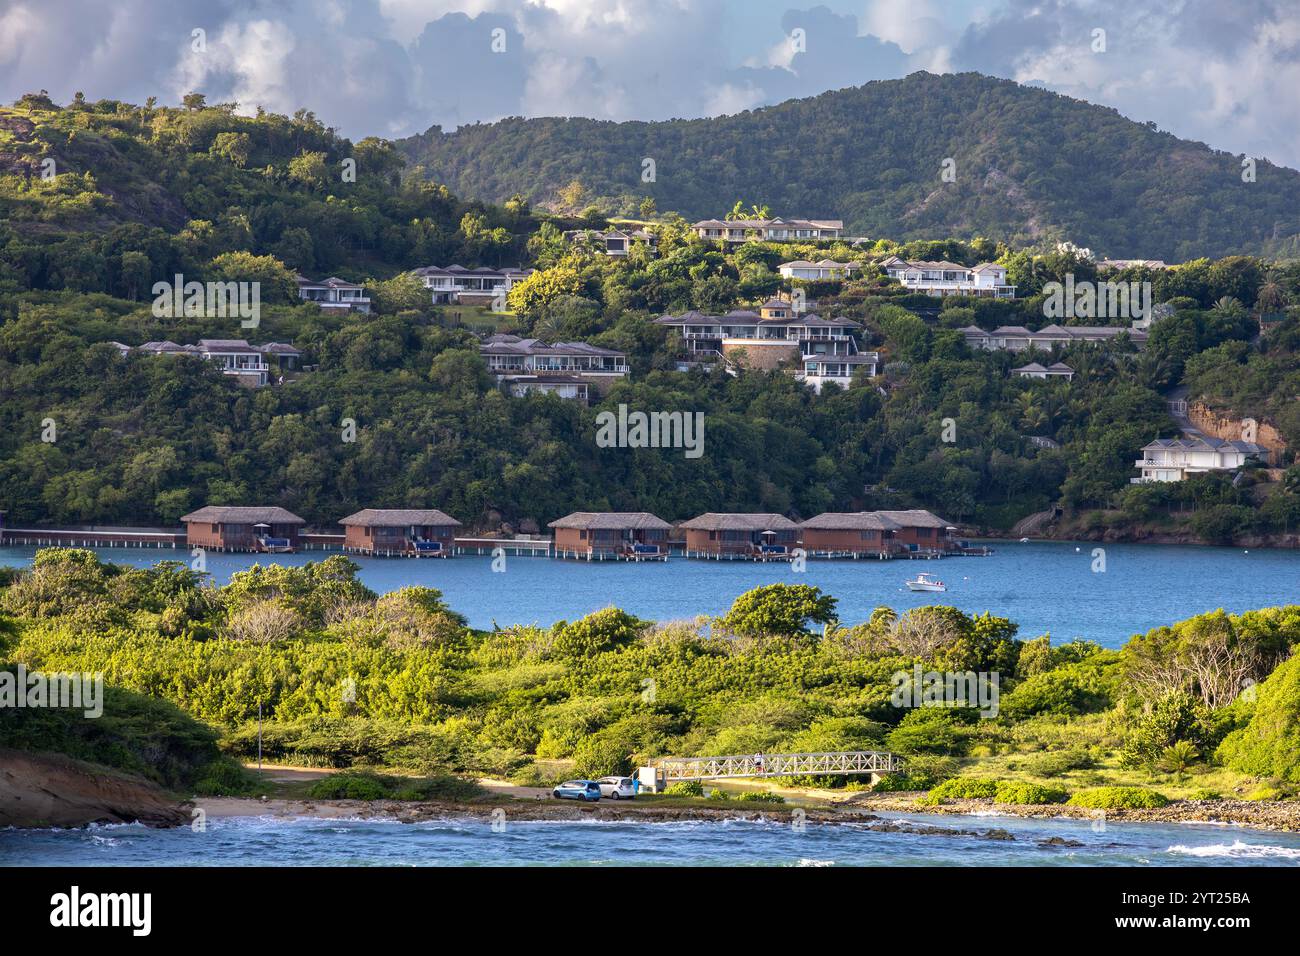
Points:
(1237, 850)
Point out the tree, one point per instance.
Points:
(232, 147)
(779, 610)
(194, 101)
(542, 288)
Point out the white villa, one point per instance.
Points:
(1017, 338)
(334, 294)
(616, 242)
(1035, 370)
(1174, 459)
(568, 369)
(461, 286)
(825, 269)
(822, 350)
(947, 278)
(771, 230)
(235, 357)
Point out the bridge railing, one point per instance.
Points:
(780, 765)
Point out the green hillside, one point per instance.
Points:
(1030, 166)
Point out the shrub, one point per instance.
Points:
(1265, 792)
(718, 795)
(1118, 798)
(1269, 746)
(1203, 794)
(352, 785)
(685, 788)
(601, 756)
(596, 633)
(1029, 793)
(224, 778)
(965, 788)
(925, 730)
(761, 796)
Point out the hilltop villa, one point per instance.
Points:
(1035, 370)
(947, 278)
(821, 270)
(235, 357)
(334, 295)
(460, 286)
(771, 230)
(568, 369)
(615, 242)
(1017, 338)
(1174, 459)
(823, 350)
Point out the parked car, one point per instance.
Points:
(617, 788)
(577, 790)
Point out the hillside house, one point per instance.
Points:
(615, 242)
(235, 357)
(334, 294)
(769, 230)
(1036, 370)
(531, 365)
(987, 279)
(825, 269)
(457, 285)
(417, 532)
(1175, 459)
(1017, 338)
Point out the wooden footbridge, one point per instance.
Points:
(849, 762)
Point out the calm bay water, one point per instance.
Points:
(1042, 586)
(254, 841)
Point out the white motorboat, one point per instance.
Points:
(924, 582)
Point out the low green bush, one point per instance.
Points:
(1119, 798)
(760, 796)
(224, 778)
(349, 786)
(965, 788)
(1031, 793)
(686, 788)
(1205, 795)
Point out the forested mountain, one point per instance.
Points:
(1030, 165)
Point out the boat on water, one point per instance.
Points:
(923, 582)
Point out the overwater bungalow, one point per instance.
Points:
(427, 533)
(921, 531)
(755, 536)
(851, 534)
(625, 535)
(223, 528)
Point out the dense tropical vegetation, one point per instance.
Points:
(348, 679)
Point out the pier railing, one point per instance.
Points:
(780, 765)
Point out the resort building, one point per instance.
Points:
(568, 369)
(1174, 459)
(818, 349)
(714, 535)
(948, 278)
(770, 230)
(235, 357)
(423, 533)
(1017, 338)
(457, 285)
(635, 535)
(817, 271)
(615, 242)
(222, 528)
(1035, 370)
(334, 294)
(877, 533)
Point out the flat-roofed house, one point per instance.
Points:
(715, 535)
(1017, 338)
(228, 528)
(920, 530)
(422, 532)
(334, 294)
(1176, 459)
(821, 270)
(635, 535)
(854, 533)
(458, 285)
(770, 230)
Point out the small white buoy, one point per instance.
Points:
(1076, 550)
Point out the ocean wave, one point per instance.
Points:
(1237, 850)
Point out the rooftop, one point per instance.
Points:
(611, 520)
(399, 517)
(224, 514)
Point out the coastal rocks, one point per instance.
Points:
(49, 790)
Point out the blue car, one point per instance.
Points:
(577, 790)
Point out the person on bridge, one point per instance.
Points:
(758, 762)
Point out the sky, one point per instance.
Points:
(1225, 73)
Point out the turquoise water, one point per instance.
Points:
(253, 841)
(1043, 586)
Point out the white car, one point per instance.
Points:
(617, 788)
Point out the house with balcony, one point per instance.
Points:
(1037, 370)
(631, 535)
(569, 369)
(457, 285)
(421, 533)
(1017, 338)
(615, 242)
(1175, 459)
(222, 528)
(769, 230)
(988, 279)
(823, 270)
(715, 535)
(334, 294)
